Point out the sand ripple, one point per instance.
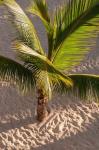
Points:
(69, 125)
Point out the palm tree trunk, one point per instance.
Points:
(42, 108)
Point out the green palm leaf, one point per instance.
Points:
(40, 9)
(74, 25)
(30, 56)
(47, 75)
(35, 63)
(85, 86)
(15, 73)
(25, 28)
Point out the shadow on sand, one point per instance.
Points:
(19, 112)
(15, 110)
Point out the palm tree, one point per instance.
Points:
(68, 32)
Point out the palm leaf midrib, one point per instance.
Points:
(75, 24)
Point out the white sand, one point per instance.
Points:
(71, 125)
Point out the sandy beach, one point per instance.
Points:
(71, 125)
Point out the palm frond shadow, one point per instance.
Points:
(92, 15)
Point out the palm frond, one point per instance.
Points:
(42, 79)
(14, 73)
(85, 86)
(57, 85)
(40, 9)
(47, 76)
(41, 62)
(44, 83)
(75, 25)
(26, 31)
